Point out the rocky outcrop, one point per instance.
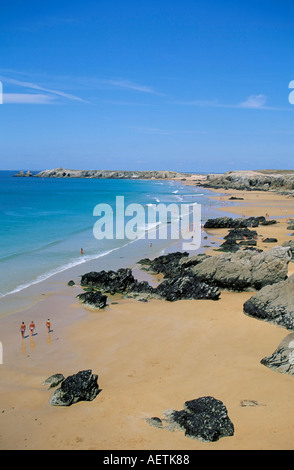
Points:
(93, 299)
(113, 282)
(168, 265)
(282, 359)
(238, 238)
(196, 277)
(82, 386)
(244, 270)
(22, 173)
(229, 222)
(274, 304)
(172, 265)
(205, 419)
(264, 180)
(186, 287)
(173, 288)
(108, 174)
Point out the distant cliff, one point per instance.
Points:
(64, 173)
(263, 180)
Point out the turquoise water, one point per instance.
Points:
(46, 222)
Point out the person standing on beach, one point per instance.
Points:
(22, 329)
(32, 327)
(48, 325)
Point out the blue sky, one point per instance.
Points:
(184, 85)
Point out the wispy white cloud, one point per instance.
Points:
(31, 81)
(34, 86)
(27, 98)
(129, 85)
(90, 82)
(256, 102)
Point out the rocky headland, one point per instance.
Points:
(263, 180)
(107, 174)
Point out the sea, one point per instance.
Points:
(46, 222)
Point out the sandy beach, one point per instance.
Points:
(149, 357)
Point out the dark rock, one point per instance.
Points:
(270, 240)
(245, 236)
(82, 386)
(274, 304)
(234, 198)
(205, 419)
(54, 380)
(93, 299)
(186, 287)
(282, 359)
(113, 282)
(71, 283)
(230, 246)
(168, 264)
(268, 222)
(241, 234)
(228, 222)
(244, 269)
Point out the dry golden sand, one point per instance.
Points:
(149, 357)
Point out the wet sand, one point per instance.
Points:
(149, 357)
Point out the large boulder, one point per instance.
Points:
(282, 359)
(186, 287)
(93, 299)
(109, 281)
(274, 304)
(205, 419)
(82, 386)
(244, 270)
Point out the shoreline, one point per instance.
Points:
(24, 296)
(149, 357)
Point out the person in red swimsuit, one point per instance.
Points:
(32, 327)
(48, 325)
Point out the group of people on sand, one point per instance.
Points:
(33, 327)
